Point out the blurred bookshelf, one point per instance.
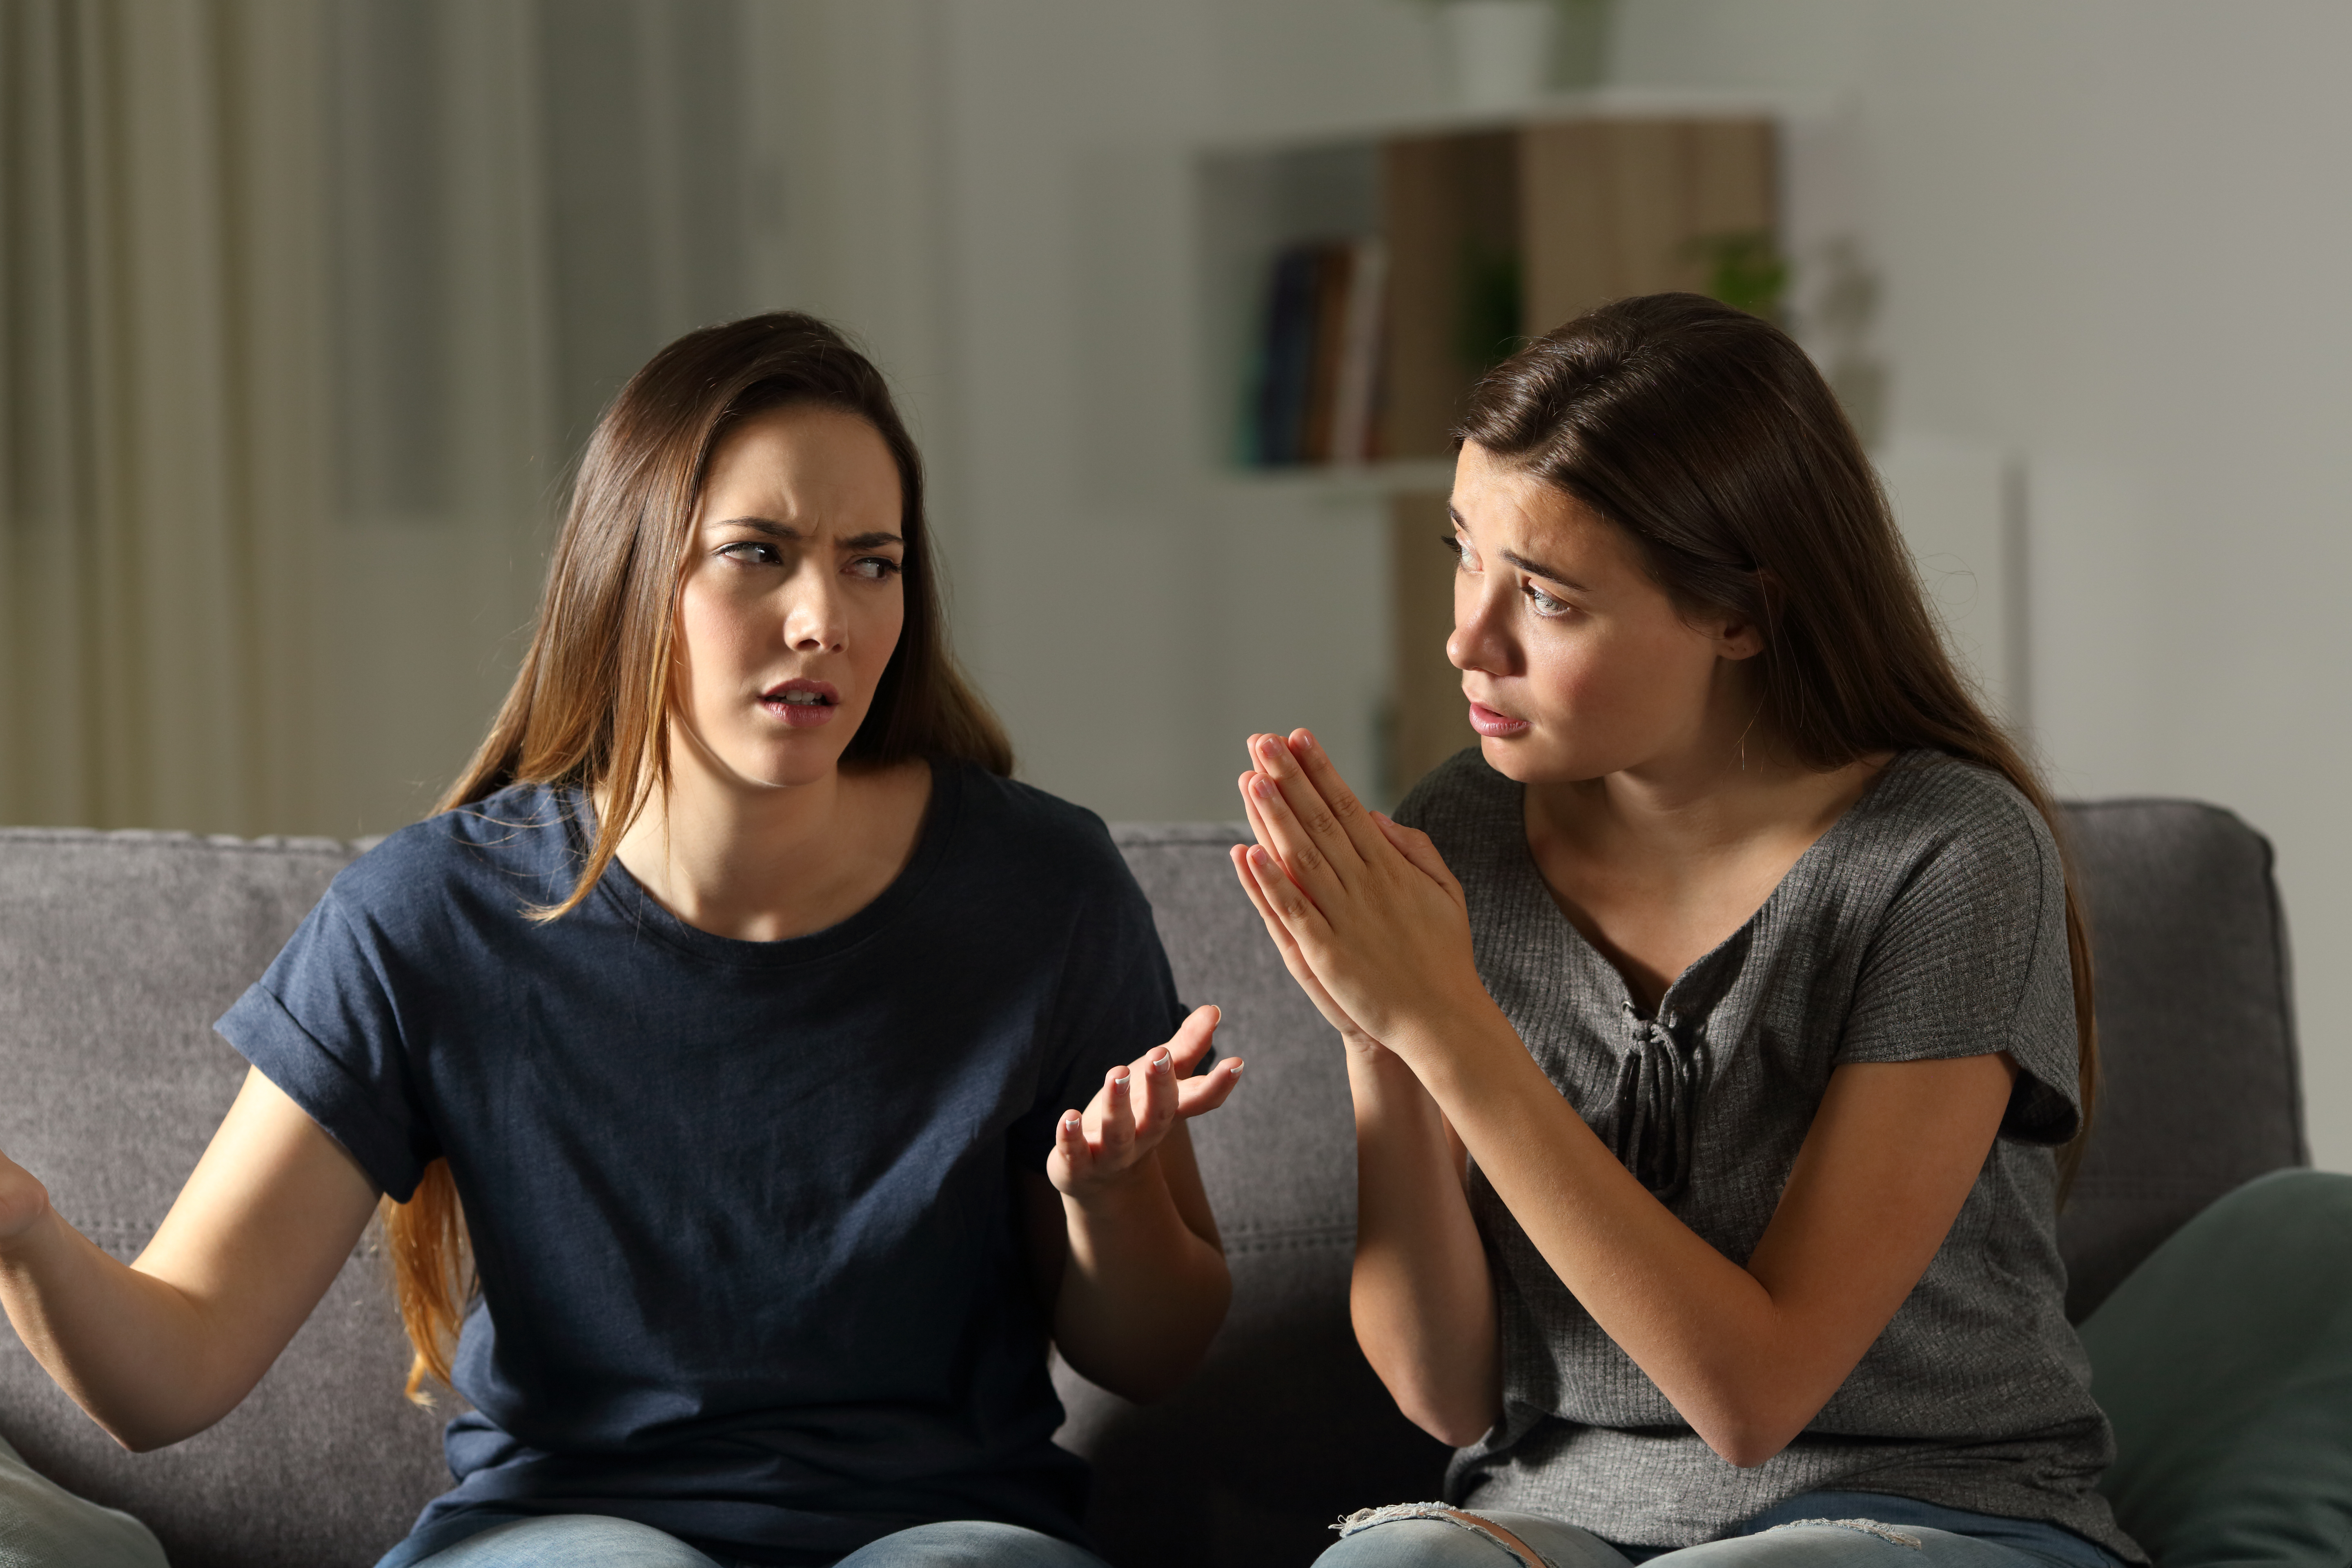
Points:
(1357, 285)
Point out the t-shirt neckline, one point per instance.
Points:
(1539, 890)
(631, 903)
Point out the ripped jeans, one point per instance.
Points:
(1816, 1530)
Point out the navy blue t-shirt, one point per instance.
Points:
(750, 1258)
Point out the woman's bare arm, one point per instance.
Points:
(1421, 1296)
(160, 1349)
(1143, 1287)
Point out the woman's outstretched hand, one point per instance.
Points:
(1364, 912)
(1135, 1108)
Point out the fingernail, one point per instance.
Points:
(1070, 1123)
(1269, 748)
(1160, 1064)
(1119, 1077)
(1233, 1068)
(1262, 786)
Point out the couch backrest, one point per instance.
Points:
(117, 951)
(2203, 1088)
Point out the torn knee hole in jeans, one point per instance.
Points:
(1885, 1533)
(1438, 1512)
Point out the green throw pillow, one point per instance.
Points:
(2225, 1362)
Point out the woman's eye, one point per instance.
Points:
(1459, 548)
(1543, 603)
(874, 568)
(750, 552)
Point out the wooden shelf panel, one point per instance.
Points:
(1561, 214)
(1449, 205)
(1613, 208)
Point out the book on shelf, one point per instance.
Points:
(1316, 390)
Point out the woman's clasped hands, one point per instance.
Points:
(1368, 920)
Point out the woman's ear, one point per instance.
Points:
(1737, 639)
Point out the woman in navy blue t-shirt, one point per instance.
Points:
(712, 1055)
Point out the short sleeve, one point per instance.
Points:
(1971, 958)
(323, 1025)
(1117, 1000)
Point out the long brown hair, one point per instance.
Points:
(588, 707)
(1707, 435)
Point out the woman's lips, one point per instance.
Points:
(1497, 726)
(803, 704)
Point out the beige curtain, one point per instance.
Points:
(304, 307)
(162, 395)
(448, 444)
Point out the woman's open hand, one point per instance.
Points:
(1364, 911)
(1135, 1108)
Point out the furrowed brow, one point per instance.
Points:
(766, 525)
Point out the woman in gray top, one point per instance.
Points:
(1719, 1029)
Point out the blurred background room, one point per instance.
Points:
(306, 307)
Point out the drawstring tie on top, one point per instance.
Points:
(1659, 1080)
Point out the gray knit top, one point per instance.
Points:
(1929, 921)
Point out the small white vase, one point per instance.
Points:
(1501, 49)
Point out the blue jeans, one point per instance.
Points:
(596, 1540)
(1816, 1530)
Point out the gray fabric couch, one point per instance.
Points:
(117, 951)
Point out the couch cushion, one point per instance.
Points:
(117, 951)
(2196, 1030)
